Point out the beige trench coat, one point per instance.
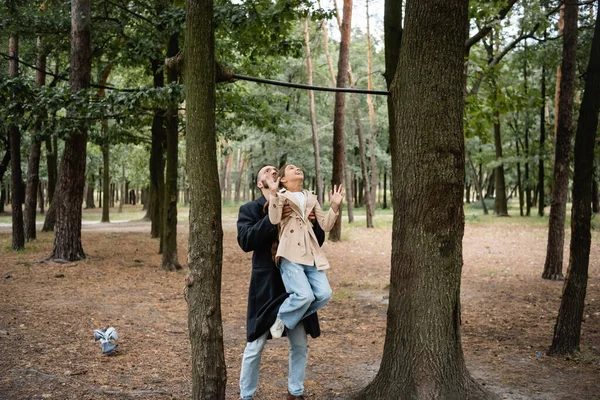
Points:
(297, 240)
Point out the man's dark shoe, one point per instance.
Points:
(292, 397)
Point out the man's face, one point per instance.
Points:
(267, 173)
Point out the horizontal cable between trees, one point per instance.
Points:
(228, 78)
(308, 87)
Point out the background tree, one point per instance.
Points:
(567, 330)
(556, 227)
(339, 146)
(67, 241)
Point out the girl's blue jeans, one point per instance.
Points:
(308, 288)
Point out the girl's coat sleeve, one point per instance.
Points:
(326, 222)
(275, 209)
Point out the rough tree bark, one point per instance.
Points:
(567, 330)
(67, 239)
(313, 117)
(339, 142)
(33, 163)
(18, 232)
(170, 261)
(422, 356)
(52, 165)
(556, 230)
(205, 253)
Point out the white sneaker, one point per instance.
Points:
(277, 328)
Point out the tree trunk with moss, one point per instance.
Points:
(205, 253)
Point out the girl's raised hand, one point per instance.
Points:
(336, 196)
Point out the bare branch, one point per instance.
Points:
(483, 31)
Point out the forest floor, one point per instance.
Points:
(49, 311)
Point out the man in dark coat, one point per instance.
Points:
(267, 292)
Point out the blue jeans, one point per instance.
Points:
(308, 288)
(297, 363)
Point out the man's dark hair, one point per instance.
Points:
(258, 171)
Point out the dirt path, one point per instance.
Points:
(50, 310)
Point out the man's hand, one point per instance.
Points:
(273, 185)
(286, 211)
(336, 197)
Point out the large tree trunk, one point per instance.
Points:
(422, 357)
(567, 330)
(339, 142)
(205, 254)
(157, 164)
(170, 261)
(33, 164)
(313, 117)
(556, 229)
(18, 232)
(67, 240)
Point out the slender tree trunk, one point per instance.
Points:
(67, 240)
(372, 124)
(363, 167)
(567, 331)
(541, 187)
(91, 186)
(520, 183)
(348, 179)
(157, 164)
(122, 187)
(106, 176)
(500, 202)
(556, 230)
(327, 53)
(526, 144)
(385, 206)
(422, 356)
(170, 261)
(33, 164)
(339, 142)
(52, 165)
(313, 117)
(478, 186)
(557, 89)
(595, 197)
(240, 178)
(205, 253)
(41, 199)
(18, 232)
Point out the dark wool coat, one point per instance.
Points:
(256, 233)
